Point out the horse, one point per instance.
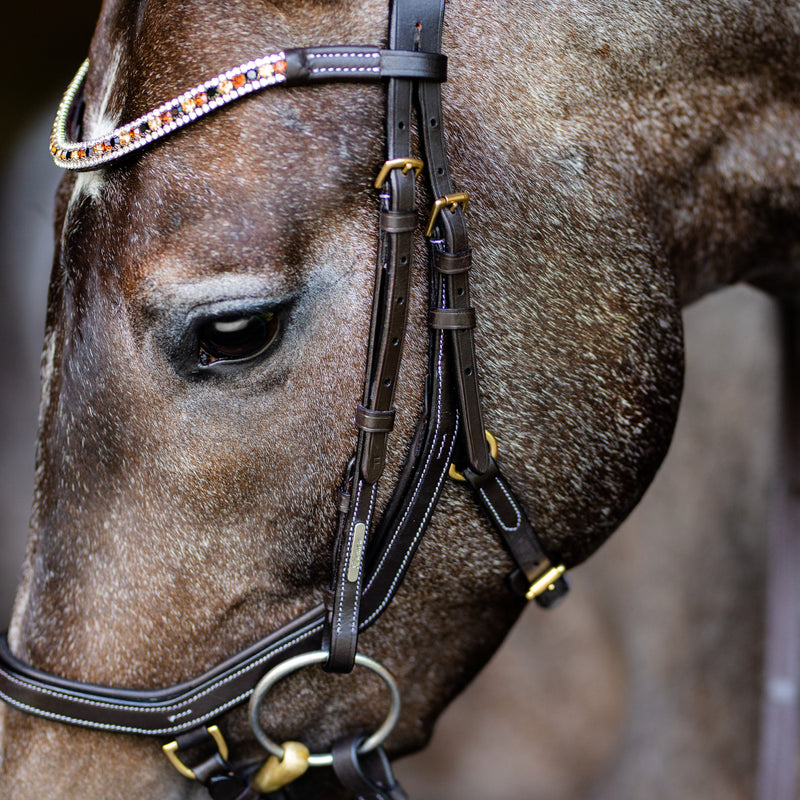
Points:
(621, 163)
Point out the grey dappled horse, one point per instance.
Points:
(629, 161)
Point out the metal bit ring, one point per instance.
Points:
(317, 657)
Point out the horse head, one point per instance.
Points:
(207, 332)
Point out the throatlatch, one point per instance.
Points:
(370, 558)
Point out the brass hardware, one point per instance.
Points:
(171, 751)
(457, 476)
(276, 773)
(404, 164)
(545, 580)
(451, 201)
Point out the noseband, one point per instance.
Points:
(371, 556)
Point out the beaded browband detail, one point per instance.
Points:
(291, 67)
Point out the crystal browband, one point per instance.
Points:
(291, 67)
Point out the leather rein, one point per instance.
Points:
(371, 556)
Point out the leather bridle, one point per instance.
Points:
(371, 557)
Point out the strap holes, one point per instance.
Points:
(400, 300)
(401, 126)
(395, 342)
(434, 122)
(387, 383)
(468, 372)
(440, 171)
(403, 260)
(460, 291)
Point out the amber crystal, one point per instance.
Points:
(166, 117)
(200, 99)
(239, 80)
(280, 66)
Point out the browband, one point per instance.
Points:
(295, 67)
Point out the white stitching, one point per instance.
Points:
(155, 709)
(428, 510)
(496, 515)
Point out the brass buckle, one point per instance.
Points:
(171, 751)
(451, 201)
(457, 476)
(404, 164)
(548, 575)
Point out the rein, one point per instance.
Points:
(370, 557)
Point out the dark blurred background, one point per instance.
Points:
(43, 44)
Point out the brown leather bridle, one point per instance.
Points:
(371, 557)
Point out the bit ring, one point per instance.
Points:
(296, 663)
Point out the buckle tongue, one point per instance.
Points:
(404, 164)
(449, 201)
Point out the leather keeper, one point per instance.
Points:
(451, 319)
(374, 421)
(453, 263)
(343, 501)
(398, 221)
(414, 64)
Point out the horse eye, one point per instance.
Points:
(236, 338)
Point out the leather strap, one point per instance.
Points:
(509, 519)
(452, 227)
(312, 64)
(387, 335)
(367, 776)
